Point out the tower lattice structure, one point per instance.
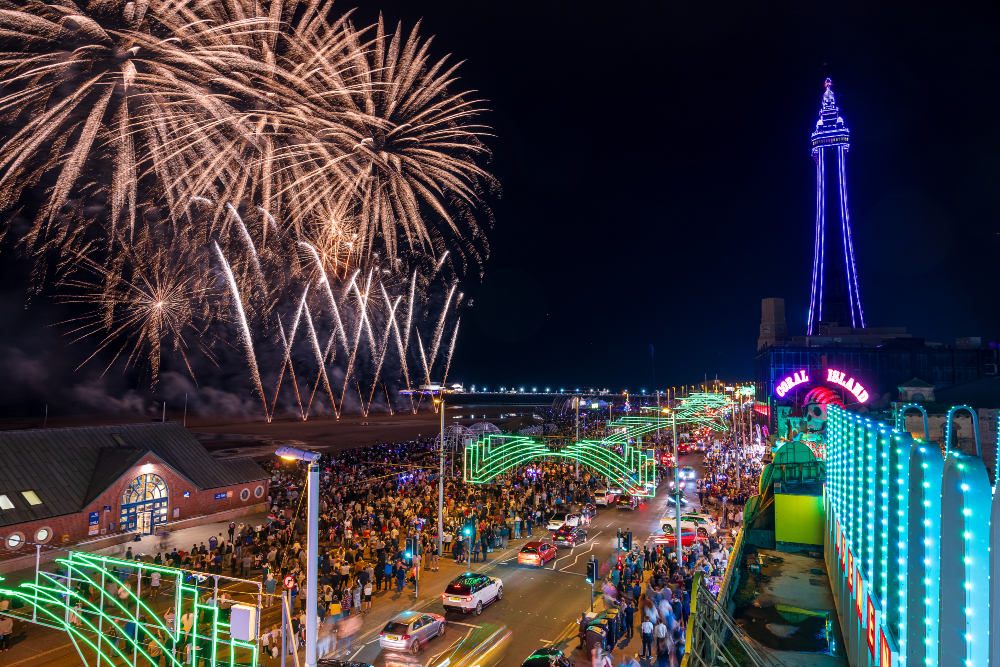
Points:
(835, 296)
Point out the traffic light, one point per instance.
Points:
(619, 566)
(411, 547)
(627, 545)
(591, 571)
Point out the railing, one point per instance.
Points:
(714, 638)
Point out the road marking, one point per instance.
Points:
(592, 544)
(468, 625)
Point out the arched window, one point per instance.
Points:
(143, 488)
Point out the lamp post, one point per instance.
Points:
(440, 401)
(677, 486)
(312, 544)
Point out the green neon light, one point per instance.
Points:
(56, 600)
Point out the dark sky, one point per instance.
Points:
(657, 178)
(657, 184)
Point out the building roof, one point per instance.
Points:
(67, 468)
(915, 383)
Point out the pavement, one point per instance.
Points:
(540, 605)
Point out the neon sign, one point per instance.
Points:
(838, 377)
(791, 381)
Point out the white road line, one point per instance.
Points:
(563, 569)
(467, 625)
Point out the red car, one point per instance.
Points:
(688, 537)
(536, 553)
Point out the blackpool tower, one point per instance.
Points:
(835, 296)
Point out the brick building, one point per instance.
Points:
(66, 485)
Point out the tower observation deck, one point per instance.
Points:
(834, 296)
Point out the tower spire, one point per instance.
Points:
(834, 296)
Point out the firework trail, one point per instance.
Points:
(322, 367)
(287, 360)
(329, 293)
(383, 348)
(439, 331)
(245, 328)
(249, 242)
(291, 373)
(451, 350)
(440, 263)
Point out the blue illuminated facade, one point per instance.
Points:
(834, 296)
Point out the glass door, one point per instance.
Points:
(145, 522)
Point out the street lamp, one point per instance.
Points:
(440, 402)
(312, 543)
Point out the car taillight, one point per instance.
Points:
(443, 596)
(468, 599)
(405, 637)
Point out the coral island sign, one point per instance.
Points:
(835, 377)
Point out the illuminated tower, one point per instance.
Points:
(835, 296)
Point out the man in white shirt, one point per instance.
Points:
(647, 639)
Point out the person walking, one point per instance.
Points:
(367, 598)
(647, 639)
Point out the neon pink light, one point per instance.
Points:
(791, 381)
(838, 377)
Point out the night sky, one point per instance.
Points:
(657, 182)
(657, 178)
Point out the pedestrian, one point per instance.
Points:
(232, 530)
(434, 556)
(400, 578)
(269, 587)
(6, 628)
(154, 584)
(368, 598)
(647, 639)
(629, 619)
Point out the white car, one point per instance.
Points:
(411, 630)
(560, 519)
(603, 497)
(470, 592)
(702, 524)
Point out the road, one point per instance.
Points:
(540, 605)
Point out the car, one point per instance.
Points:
(672, 500)
(470, 592)
(603, 497)
(559, 519)
(688, 537)
(687, 472)
(536, 553)
(588, 512)
(702, 523)
(568, 536)
(410, 631)
(547, 657)
(627, 502)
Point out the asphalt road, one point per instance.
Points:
(540, 605)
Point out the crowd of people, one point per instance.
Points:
(377, 502)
